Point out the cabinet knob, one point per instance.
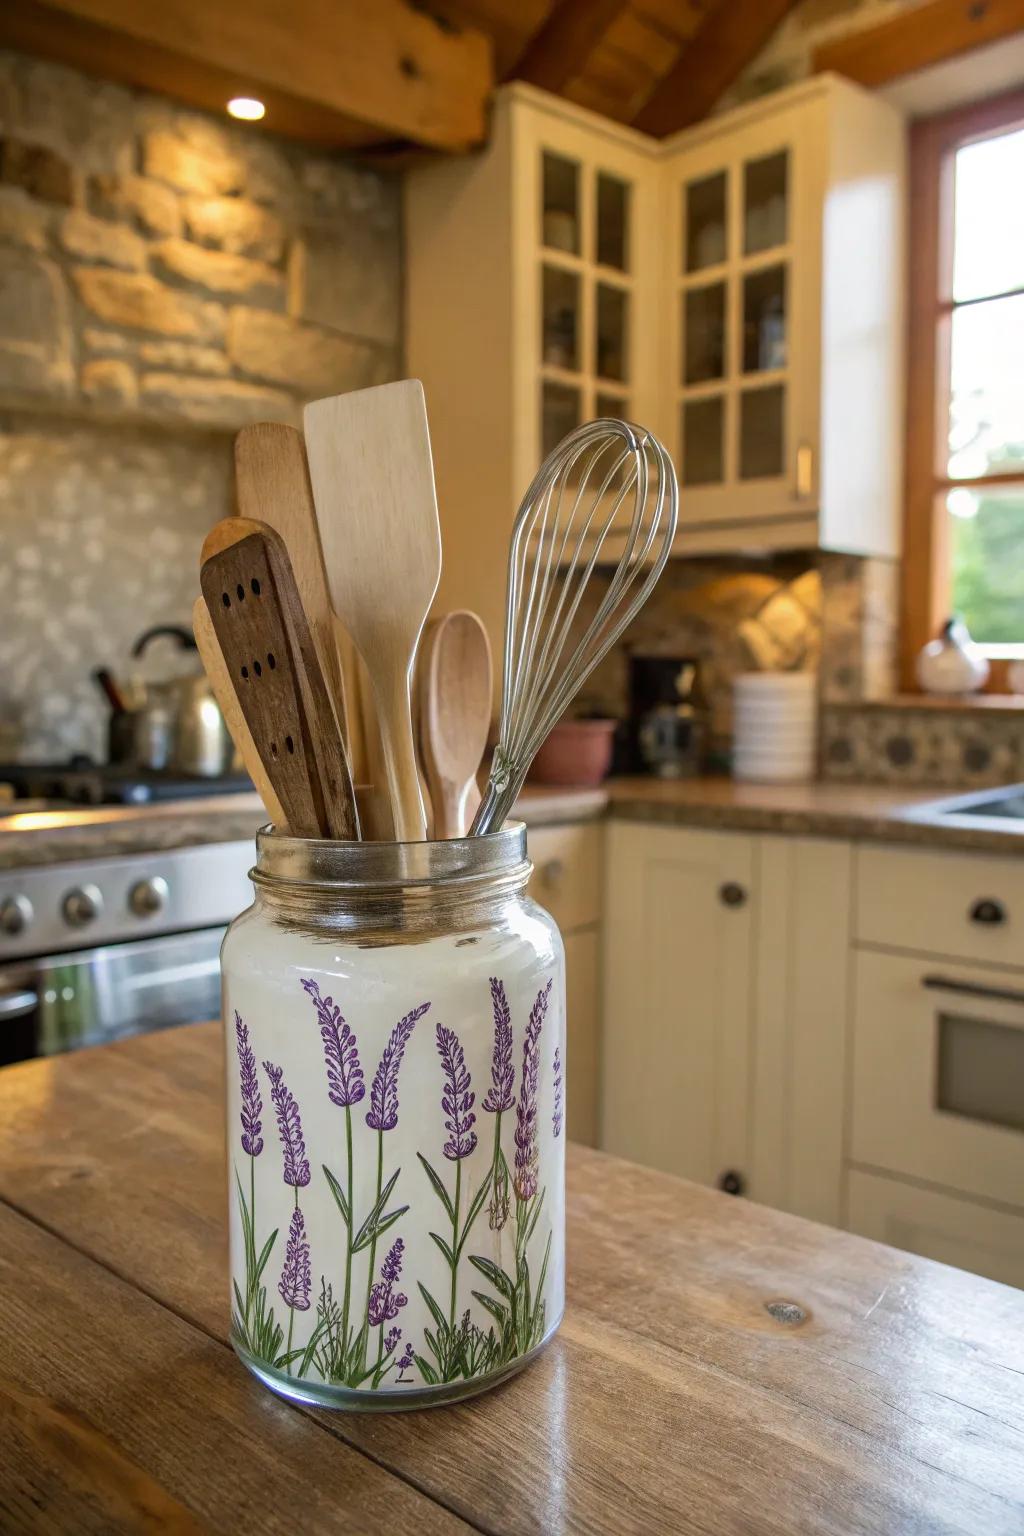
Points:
(989, 911)
(551, 872)
(732, 1183)
(732, 894)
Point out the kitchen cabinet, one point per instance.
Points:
(785, 278)
(939, 1226)
(725, 1012)
(737, 288)
(567, 862)
(532, 304)
(678, 1000)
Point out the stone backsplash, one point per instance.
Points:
(165, 277)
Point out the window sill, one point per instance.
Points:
(954, 703)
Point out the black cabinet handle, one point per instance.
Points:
(987, 910)
(971, 989)
(731, 894)
(732, 1183)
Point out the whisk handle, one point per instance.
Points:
(493, 809)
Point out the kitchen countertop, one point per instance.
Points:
(876, 812)
(32, 838)
(721, 1367)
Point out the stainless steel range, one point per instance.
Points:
(96, 948)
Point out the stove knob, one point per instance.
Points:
(148, 897)
(15, 915)
(82, 904)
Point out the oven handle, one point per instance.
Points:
(15, 1005)
(972, 989)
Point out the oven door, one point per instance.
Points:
(89, 997)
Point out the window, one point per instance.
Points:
(964, 546)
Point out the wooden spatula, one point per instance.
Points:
(373, 485)
(272, 485)
(270, 657)
(227, 699)
(454, 699)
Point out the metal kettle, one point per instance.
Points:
(179, 727)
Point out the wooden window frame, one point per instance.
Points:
(925, 576)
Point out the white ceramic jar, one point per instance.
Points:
(395, 1029)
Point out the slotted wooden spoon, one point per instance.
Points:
(454, 699)
(227, 699)
(268, 651)
(373, 486)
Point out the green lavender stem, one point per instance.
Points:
(291, 1312)
(373, 1242)
(346, 1299)
(456, 1246)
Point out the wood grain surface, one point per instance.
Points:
(882, 1394)
(266, 643)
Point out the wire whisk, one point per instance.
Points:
(606, 495)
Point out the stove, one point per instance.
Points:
(82, 782)
(94, 949)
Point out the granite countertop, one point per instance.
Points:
(31, 838)
(881, 813)
(871, 812)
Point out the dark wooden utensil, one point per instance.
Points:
(268, 650)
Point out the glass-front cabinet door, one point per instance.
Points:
(743, 429)
(587, 284)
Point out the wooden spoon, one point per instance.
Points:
(454, 697)
(272, 663)
(373, 485)
(224, 693)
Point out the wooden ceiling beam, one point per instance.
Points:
(559, 52)
(334, 71)
(731, 36)
(915, 39)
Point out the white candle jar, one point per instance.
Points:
(395, 1031)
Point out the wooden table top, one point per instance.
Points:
(677, 1396)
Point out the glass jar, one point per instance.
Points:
(395, 1023)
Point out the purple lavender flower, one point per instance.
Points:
(252, 1103)
(295, 1275)
(391, 1339)
(456, 1098)
(405, 1363)
(289, 1124)
(385, 1301)
(556, 1118)
(383, 1112)
(344, 1074)
(525, 1176)
(499, 1095)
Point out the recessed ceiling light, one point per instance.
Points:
(247, 108)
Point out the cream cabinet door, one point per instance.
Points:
(938, 1226)
(744, 280)
(678, 999)
(582, 983)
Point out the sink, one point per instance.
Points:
(1002, 808)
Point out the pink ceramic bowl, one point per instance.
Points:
(576, 752)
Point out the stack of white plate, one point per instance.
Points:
(774, 726)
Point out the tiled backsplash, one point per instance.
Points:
(907, 744)
(165, 277)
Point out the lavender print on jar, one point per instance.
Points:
(396, 1100)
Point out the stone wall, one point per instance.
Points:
(165, 277)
